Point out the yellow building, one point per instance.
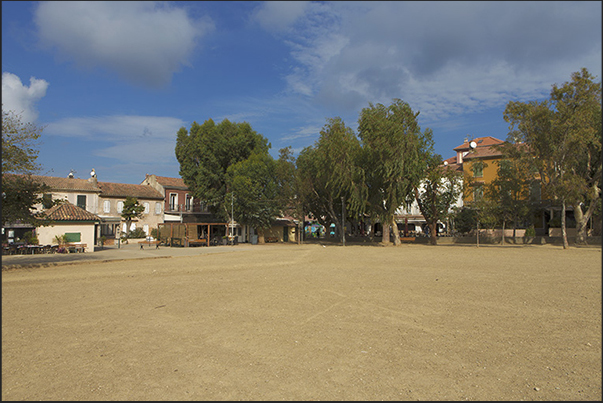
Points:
(479, 162)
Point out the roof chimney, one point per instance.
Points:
(92, 177)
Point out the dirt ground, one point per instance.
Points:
(307, 322)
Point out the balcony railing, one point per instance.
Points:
(182, 208)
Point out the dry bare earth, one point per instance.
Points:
(278, 322)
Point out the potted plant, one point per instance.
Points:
(102, 241)
(61, 240)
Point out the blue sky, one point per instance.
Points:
(112, 82)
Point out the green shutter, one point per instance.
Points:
(73, 236)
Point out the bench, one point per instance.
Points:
(407, 239)
(76, 247)
(155, 242)
(271, 239)
(198, 242)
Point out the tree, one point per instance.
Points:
(19, 151)
(289, 189)
(393, 146)
(464, 219)
(510, 191)
(328, 171)
(131, 210)
(439, 190)
(20, 191)
(205, 153)
(253, 192)
(578, 105)
(564, 136)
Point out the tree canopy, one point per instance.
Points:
(329, 171)
(393, 160)
(131, 211)
(205, 152)
(437, 193)
(563, 134)
(20, 192)
(253, 192)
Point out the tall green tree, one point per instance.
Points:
(578, 107)
(254, 192)
(287, 182)
(564, 135)
(132, 210)
(438, 192)
(206, 151)
(510, 191)
(393, 146)
(20, 191)
(289, 185)
(328, 171)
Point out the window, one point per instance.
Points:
(173, 201)
(81, 201)
(189, 201)
(106, 206)
(146, 207)
(107, 230)
(478, 192)
(120, 207)
(157, 208)
(145, 228)
(478, 170)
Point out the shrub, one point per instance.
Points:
(30, 238)
(137, 233)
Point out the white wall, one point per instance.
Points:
(46, 234)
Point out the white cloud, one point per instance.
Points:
(21, 99)
(278, 16)
(144, 42)
(304, 132)
(443, 58)
(141, 139)
(116, 128)
(141, 152)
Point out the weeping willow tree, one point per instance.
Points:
(329, 174)
(563, 134)
(393, 150)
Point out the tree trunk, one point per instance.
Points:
(396, 232)
(580, 225)
(563, 230)
(502, 242)
(260, 235)
(385, 232)
(433, 233)
(477, 233)
(582, 218)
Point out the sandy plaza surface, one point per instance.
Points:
(307, 322)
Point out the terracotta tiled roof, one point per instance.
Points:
(109, 189)
(67, 184)
(481, 142)
(171, 182)
(483, 152)
(450, 163)
(69, 212)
